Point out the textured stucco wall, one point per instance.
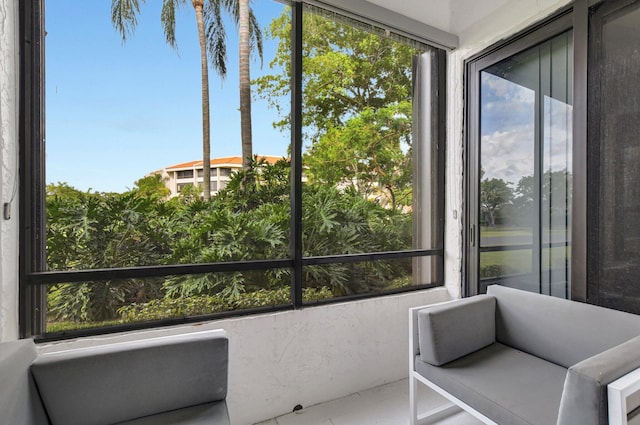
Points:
(8, 169)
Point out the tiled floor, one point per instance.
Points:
(385, 405)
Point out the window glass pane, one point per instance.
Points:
(124, 170)
(359, 154)
(357, 117)
(124, 146)
(557, 183)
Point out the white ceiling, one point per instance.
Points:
(436, 13)
(453, 16)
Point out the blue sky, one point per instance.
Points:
(115, 112)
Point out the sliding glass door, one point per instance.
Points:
(519, 169)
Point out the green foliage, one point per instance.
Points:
(356, 105)
(88, 230)
(124, 18)
(346, 70)
(200, 305)
(491, 270)
(152, 186)
(259, 184)
(249, 220)
(502, 204)
(367, 153)
(344, 222)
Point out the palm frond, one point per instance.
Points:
(168, 20)
(255, 34)
(216, 35)
(124, 16)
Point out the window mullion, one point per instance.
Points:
(296, 153)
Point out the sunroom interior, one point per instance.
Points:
(526, 122)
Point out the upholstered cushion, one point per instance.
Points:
(451, 330)
(19, 400)
(584, 399)
(558, 330)
(507, 385)
(114, 383)
(202, 414)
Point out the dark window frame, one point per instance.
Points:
(184, 174)
(34, 278)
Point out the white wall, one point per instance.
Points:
(305, 356)
(8, 169)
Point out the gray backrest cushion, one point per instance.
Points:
(19, 400)
(113, 383)
(451, 330)
(561, 331)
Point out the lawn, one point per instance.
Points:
(498, 263)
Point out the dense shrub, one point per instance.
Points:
(249, 220)
(200, 305)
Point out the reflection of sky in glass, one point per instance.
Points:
(558, 128)
(507, 129)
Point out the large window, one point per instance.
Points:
(338, 194)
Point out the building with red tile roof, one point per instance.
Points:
(177, 177)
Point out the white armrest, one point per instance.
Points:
(619, 392)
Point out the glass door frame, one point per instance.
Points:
(545, 30)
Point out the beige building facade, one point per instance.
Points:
(177, 177)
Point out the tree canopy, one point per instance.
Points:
(356, 105)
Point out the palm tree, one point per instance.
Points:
(247, 36)
(245, 82)
(211, 36)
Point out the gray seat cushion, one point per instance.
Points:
(507, 385)
(203, 414)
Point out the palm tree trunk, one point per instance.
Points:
(206, 124)
(245, 82)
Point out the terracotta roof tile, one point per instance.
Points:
(231, 160)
